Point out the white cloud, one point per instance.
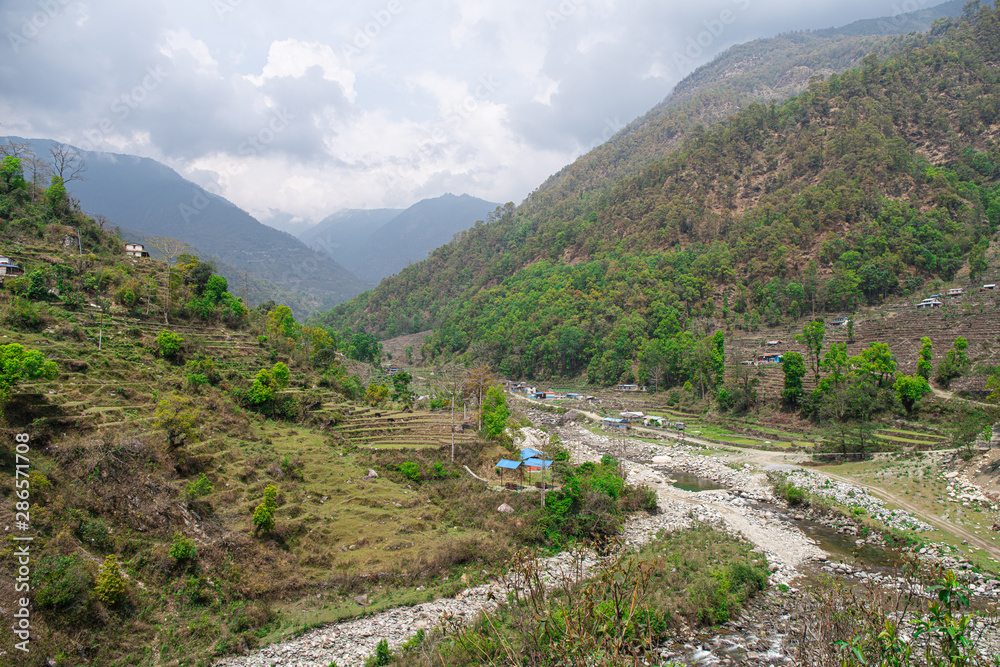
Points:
(181, 41)
(488, 97)
(292, 58)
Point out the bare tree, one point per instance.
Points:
(38, 172)
(169, 249)
(18, 149)
(67, 163)
(476, 383)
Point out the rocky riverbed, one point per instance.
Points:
(769, 633)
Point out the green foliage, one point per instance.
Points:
(110, 586)
(60, 582)
(365, 347)
(925, 358)
(910, 389)
(263, 515)
(812, 338)
(794, 368)
(18, 364)
(199, 487)
(376, 394)
(792, 494)
(382, 655)
(201, 371)
(496, 413)
(178, 416)
(410, 470)
(954, 364)
(168, 344)
(182, 548)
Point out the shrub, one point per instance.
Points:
(182, 548)
(168, 344)
(263, 515)
(59, 581)
(198, 487)
(410, 470)
(382, 655)
(109, 586)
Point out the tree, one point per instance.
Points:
(977, 261)
(477, 381)
(178, 416)
(17, 365)
(67, 163)
(109, 586)
(168, 344)
(910, 389)
(794, 367)
(56, 197)
(812, 338)
(924, 365)
(376, 394)
(263, 515)
(954, 364)
(878, 363)
(495, 412)
(169, 249)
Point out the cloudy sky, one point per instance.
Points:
(310, 106)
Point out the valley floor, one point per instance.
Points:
(801, 550)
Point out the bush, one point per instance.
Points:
(109, 586)
(182, 548)
(410, 470)
(263, 515)
(382, 655)
(198, 487)
(168, 344)
(60, 581)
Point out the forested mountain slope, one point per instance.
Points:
(764, 69)
(869, 184)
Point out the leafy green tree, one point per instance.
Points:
(263, 514)
(924, 365)
(376, 394)
(496, 412)
(168, 344)
(954, 364)
(110, 586)
(281, 375)
(178, 416)
(56, 196)
(18, 364)
(794, 367)
(878, 363)
(910, 389)
(977, 261)
(812, 338)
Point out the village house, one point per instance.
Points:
(135, 250)
(8, 268)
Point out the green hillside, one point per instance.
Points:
(872, 183)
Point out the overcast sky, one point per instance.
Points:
(311, 106)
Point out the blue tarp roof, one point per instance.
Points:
(615, 420)
(509, 465)
(528, 453)
(537, 463)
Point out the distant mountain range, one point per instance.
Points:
(374, 244)
(148, 197)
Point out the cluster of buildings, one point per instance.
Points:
(543, 394)
(529, 460)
